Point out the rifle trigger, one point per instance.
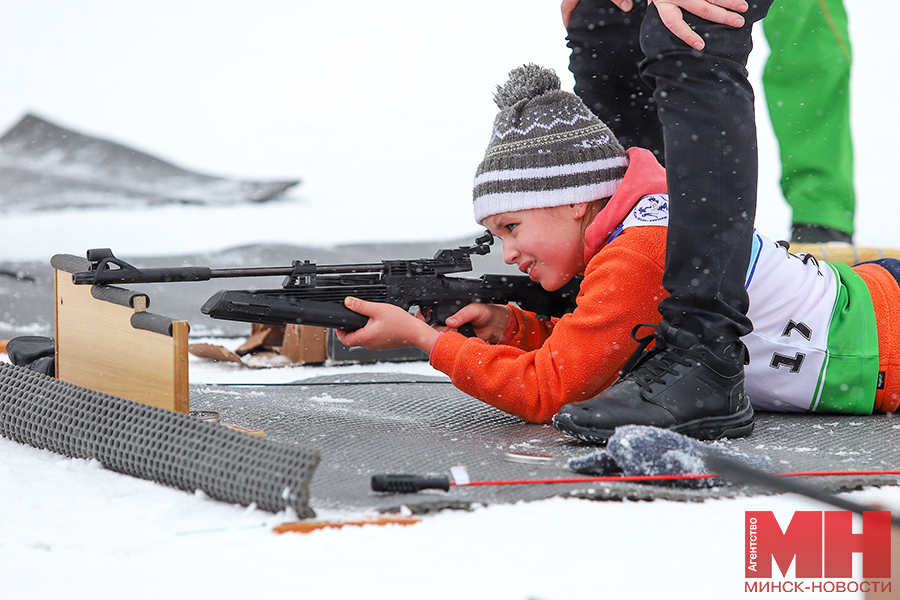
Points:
(467, 330)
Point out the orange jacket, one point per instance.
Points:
(545, 365)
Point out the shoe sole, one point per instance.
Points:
(715, 428)
(708, 428)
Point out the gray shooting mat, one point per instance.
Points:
(44, 166)
(366, 424)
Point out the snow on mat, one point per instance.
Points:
(153, 443)
(44, 166)
(365, 424)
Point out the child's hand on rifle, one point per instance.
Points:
(389, 327)
(488, 320)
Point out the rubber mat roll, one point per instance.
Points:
(153, 443)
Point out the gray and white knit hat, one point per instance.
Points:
(547, 149)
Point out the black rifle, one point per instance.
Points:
(313, 294)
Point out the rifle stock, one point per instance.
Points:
(274, 308)
(438, 298)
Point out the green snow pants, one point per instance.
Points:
(807, 87)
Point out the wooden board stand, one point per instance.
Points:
(108, 342)
(850, 254)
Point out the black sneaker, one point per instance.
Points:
(802, 233)
(679, 384)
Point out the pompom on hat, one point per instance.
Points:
(546, 149)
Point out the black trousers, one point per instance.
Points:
(706, 122)
(605, 54)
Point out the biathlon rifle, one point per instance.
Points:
(313, 294)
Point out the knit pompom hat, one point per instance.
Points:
(547, 149)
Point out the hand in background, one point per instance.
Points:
(568, 7)
(724, 12)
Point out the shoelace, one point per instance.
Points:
(647, 367)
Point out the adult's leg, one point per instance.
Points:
(692, 380)
(807, 87)
(706, 109)
(605, 45)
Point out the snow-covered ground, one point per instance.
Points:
(383, 109)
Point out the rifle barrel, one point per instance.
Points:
(273, 271)
(248, 272)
